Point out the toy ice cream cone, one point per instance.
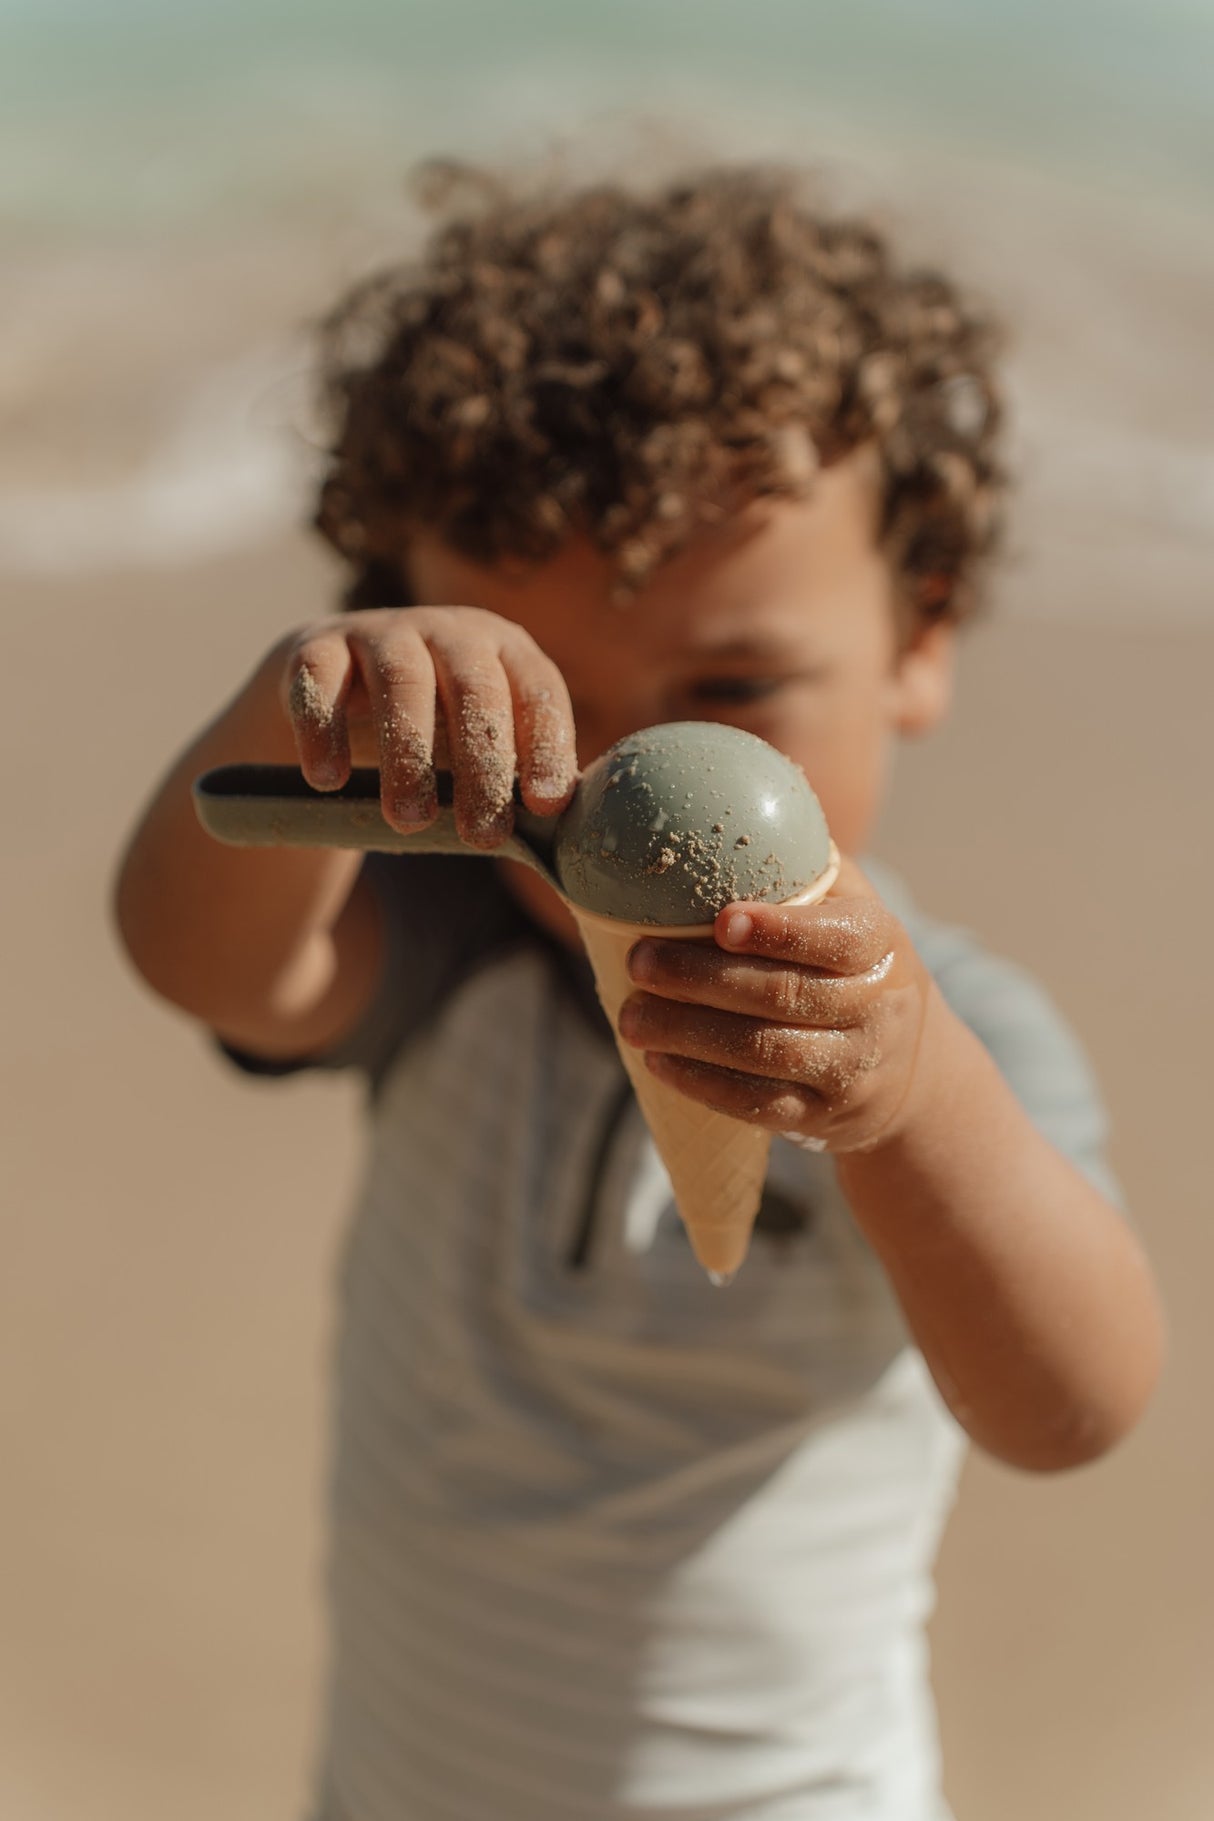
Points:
(666, 829)
(717, 1165)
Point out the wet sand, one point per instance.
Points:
(171, 1231)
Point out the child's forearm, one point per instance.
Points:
(1024, 1288)
(269, 946)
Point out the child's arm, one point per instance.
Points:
(279, 950)
(1025, 1289)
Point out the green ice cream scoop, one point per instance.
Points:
(666, 828)
(675, 822)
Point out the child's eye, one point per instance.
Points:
(735, 689)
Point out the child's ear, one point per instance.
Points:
(923, 678)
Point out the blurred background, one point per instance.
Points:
(183, 190)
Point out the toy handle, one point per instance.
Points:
(275, 806)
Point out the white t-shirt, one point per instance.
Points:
(608, 1543)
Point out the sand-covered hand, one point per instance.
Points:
(407, 688)
(803, 1019)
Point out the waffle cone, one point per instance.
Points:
(717, 1165)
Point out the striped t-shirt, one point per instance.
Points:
(608, 1543)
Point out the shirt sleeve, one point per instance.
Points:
(1033, 1047)
(441, 915)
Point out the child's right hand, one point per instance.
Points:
(399, 687)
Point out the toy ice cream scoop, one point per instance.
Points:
(664, 830)
(675, 822)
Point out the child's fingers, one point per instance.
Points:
(398, 673)
(478, 708)
(317, 685)
(697, 973)
(828, 1062)
(457, 676)
(836, 935)
(543, 724)
(780, 1106)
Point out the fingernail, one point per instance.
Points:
(722, 1279)
(641, 961)
(418, 810)
(628, 1020)
(739, 927)
(551, 789)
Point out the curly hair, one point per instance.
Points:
(631, 367)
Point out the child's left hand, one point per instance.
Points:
(807, 1021)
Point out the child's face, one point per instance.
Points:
(783, 623)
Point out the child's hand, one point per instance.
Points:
(387, 687)
(805, 1021)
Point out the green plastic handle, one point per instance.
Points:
(275, 806)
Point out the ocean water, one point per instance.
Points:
(182, 188)
(246, 92)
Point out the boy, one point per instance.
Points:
(607, 1541)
